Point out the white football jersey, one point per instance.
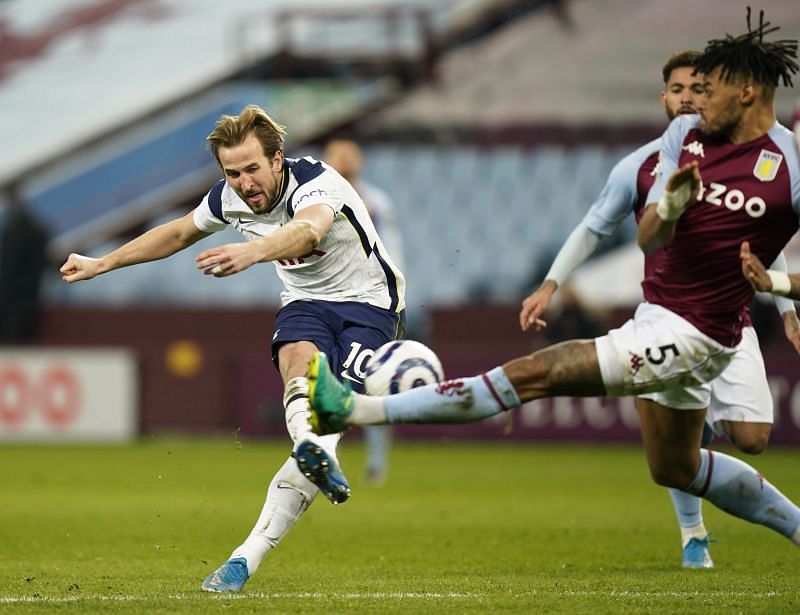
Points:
(349, 264)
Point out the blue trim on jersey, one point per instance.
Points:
(362, 234)
(391, 280)
(215, 201)
(303, 171)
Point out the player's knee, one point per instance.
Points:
(751, 439)
(669, 475)
(752, 445)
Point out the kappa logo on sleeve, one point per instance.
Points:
(695, 148)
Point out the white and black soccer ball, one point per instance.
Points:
(401, 365)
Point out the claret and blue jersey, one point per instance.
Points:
(751, 192)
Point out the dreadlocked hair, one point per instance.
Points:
(748, 55)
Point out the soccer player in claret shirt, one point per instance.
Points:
(741, 402)
(727, 176)
(343, 295)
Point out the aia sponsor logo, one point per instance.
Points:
(300, 260)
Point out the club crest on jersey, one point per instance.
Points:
(767, 165)
(695, 148)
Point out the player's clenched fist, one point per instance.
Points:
(79, 267)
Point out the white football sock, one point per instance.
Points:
(288, 497)
(295, 400)
(696, 531)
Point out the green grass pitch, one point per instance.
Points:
(459, 528)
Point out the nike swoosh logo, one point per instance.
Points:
(274, 335)
(349, 377)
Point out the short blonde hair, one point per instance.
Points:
(233, 130)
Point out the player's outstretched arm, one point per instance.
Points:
(297, 238)
(657, 226)
(580, 245)
(155, 244)
(768, 281)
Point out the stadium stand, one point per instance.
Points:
(119, 152)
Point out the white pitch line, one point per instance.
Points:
(395, 595)
(244, 596)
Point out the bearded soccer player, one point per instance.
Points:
(727, 176)
(741, 402)
(343, 295)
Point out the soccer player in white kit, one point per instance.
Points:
(728, 179)
(343, 296)
(741, 403)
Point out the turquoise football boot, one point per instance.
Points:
(696, 554)
(230, 577)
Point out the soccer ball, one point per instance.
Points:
(401, 365)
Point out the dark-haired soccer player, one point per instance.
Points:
(741, 402)
(727, 176)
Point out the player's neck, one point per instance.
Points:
(755, 123)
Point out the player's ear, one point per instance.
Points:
(748, 93)
(277, 161)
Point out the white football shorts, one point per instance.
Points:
(741, 392)
(659, 352)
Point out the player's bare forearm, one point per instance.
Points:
(791, 327)
(298, 237)
(155, 244)
(654, 233)
(657, 226)
(293, 240)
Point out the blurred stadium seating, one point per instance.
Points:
(491, 161)
(492, 124)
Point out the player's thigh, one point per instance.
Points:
(293, 358)
(741, 394)
(658, 350)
